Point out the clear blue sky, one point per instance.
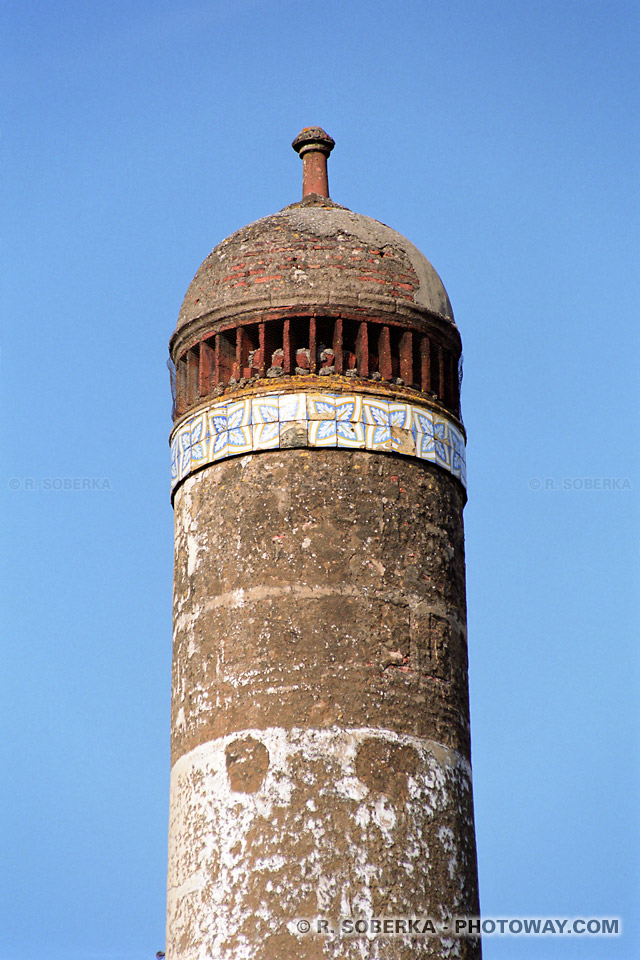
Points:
(500, 137)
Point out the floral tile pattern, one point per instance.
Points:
(220, 446)
(184, 451)
(375, 412)
(458, 463)
(264, 410)
(349, 433)
(400, 415)
(349, 408)
(425, 448)
(239, 413)
(217, 418)
(378, 438)
(322, 433)
(321, 406)
(174, 463)
(266, 436)
(199, 441)
(349, 421)
(422, 421)
(240, 440)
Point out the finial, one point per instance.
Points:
(314, 146)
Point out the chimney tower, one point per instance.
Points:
(320, 710)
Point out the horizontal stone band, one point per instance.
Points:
(229, 428)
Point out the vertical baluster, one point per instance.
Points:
(207, 359)
(384, 354)
(362, 349)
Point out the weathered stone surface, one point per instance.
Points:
(314, 252)
(320, 706)
(324, 837)
(320, 584)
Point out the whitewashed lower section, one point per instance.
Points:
(304, 835)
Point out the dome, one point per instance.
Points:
(313, 253)
(315, 290)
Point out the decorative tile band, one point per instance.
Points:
(277, 421)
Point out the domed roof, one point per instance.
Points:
(314, 254)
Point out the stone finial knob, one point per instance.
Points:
(313, 138)
(314, 146)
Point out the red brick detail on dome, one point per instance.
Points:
(276, 265)
(315, 253)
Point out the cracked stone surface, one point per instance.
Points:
(320, 727)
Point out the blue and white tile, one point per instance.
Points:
(292, 406)
(184, 452)
(240, 440)
(425, 447)
(265, 436)
(442, 454)
(321, 406)
(375, 411)
(219, 446)
(457, 450)
(229, 428)
(217, 417)
(238, 413)
(322, 433)
(400, 415)
(349, 407)
(174, 460)
(455, 437)
(199, 440)
(378, 438)
(422, 421)
(350, 434)
(264, 410)
(440, 429)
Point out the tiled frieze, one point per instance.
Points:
(229, 428)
